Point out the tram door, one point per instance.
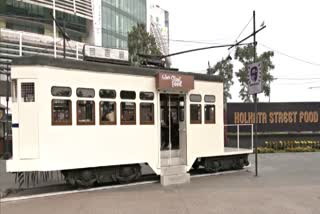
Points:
(182, 128)
(28, 119)
(173, 127)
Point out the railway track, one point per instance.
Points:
(63, 189)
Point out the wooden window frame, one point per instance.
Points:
(93, 112)
(147, 122)
(196, 121)
(124, 122)
(115, 112)
(214, 115)
(56, 123)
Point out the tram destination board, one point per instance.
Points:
(276, 117)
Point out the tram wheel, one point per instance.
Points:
(86, 178)
(127, 174)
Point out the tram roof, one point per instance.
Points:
(104, 67)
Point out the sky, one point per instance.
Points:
(292, 32)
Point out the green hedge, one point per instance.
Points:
(290, 144)
(293, 149)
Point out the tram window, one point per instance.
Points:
(195, 97)
(209, 98)
(27, 92)
(108, 113)
(61, 91)
(210, 114)
(107, 93)
(146, 113)
(85, 112)
(146, 95)
(61, 111)
(130, 95)
(85, 92)
(128, 113)
(195, 114)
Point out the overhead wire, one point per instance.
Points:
(289, 56)
(243, 29)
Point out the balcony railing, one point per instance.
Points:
(16, 44)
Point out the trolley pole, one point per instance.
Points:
(255, 98)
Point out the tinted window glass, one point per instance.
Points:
(61, 91)
(128, 113)
(209, 114)
(130, 95)
(85, 112)
(108, 113)
(209, 98)
(106, 93)
(195, 113)
(195, 98)
(146, 113)
(61, 112)
(85, 92)
(146, 95)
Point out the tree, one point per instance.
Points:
(141, 42)
(245, 55)
(224, 69)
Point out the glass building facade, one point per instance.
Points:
(118, 18)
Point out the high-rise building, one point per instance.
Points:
(117, 19)
(27, 27)
(159, 27)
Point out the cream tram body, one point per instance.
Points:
(39, 145)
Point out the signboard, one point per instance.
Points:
(277, 117)
(254, 77)
(174, 82)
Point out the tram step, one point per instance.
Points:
(171, 161)
(167, 180)
(173, 170)
(174, 153)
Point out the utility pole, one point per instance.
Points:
(255, 98)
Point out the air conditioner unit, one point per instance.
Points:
(105, 54)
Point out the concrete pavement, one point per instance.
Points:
(288, 183)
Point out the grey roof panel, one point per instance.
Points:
(103, 67)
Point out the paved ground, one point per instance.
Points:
(288, 183)
(6, 179)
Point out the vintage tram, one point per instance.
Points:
(97, 122)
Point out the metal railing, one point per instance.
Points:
(16, 44)
(82, 8)
(238, 133)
